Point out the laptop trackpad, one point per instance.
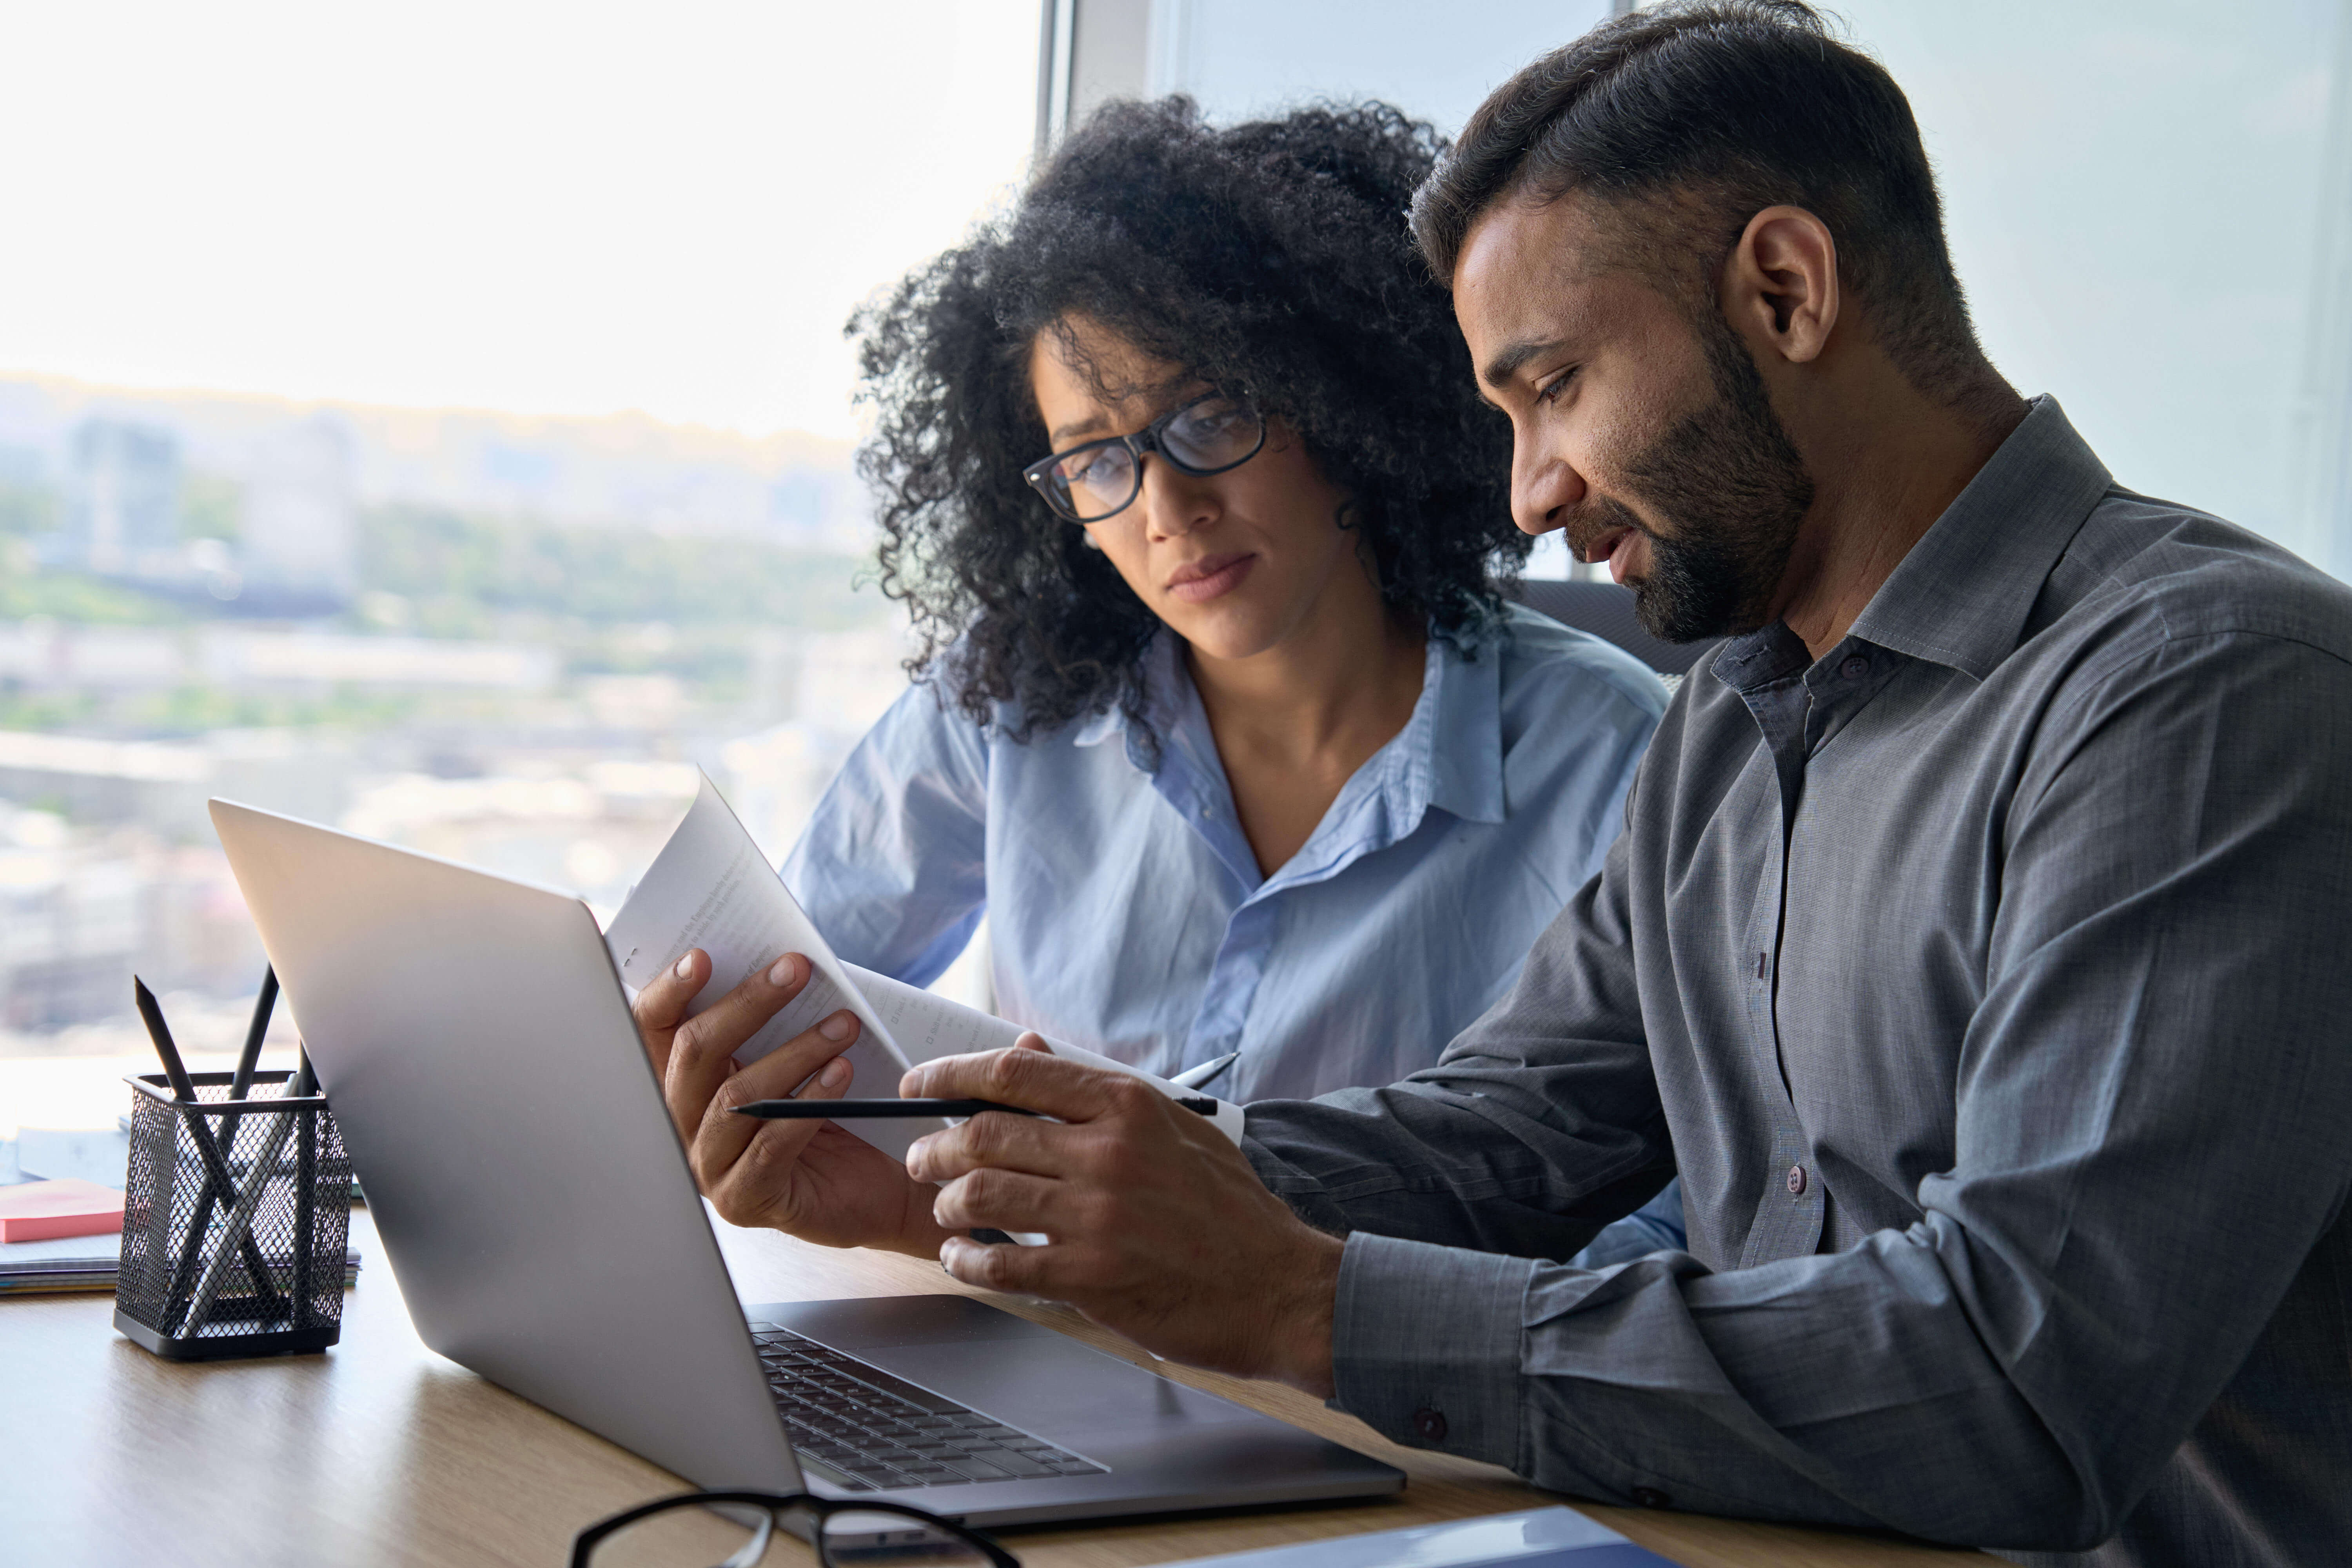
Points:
(1008, 1367)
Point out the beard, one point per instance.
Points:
(1731, 485)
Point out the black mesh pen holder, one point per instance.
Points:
(234, 1220)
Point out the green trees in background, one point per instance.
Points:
(434, 556)
(466, 574)
(609, 600)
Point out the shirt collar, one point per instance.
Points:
(1099, 727)
(1449, 754)
(1170, 704)
(1465, 747)
(1961, 596)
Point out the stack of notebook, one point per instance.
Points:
(39, 1210)
(58, 1235)
(86, 1163)
(84, 1263)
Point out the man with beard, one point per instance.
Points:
(1974, 947)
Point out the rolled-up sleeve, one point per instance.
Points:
(893, 866)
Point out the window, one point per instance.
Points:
(436, 420)
(2149, 201)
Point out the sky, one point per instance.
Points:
(579, 208)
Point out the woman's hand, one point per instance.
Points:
(808, 1179)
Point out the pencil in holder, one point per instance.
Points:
(234, 1220)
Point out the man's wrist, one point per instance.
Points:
(1308, 1311)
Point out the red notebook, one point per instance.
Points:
(37, 1211)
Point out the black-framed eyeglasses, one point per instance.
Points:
(1207, 435)
(736, 1529)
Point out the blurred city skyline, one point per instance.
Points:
(626, 470)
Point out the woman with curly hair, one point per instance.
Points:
(1222, 720)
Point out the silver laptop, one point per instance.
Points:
(535, 1204)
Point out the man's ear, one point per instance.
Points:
(1779, 288)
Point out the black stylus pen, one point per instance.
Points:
(847, 1109)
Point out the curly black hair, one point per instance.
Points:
(1272, 257)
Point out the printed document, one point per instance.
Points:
(711, 887)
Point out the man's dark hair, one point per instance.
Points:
(1691, 118)
(1270, 259)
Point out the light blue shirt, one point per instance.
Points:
(1127, 913)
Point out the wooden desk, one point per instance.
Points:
(381, 1452)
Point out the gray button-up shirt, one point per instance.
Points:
(1988, 981)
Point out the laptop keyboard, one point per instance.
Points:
(877, 1431)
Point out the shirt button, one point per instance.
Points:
(1855, 668)
(1651, 1497)
(1430, 1423)
(1206, 811)
(1797, 1180)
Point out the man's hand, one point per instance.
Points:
(810, 1179)
(1160, 1228)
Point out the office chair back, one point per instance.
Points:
(1606, 610)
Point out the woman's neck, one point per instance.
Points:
(1293, 723)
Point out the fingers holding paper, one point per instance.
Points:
(694, 1057)
(1158, 1227)
(808, 1178)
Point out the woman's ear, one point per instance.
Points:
(1348, 517)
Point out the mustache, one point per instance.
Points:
(1600, 515)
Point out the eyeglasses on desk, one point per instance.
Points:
(759, 1529)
